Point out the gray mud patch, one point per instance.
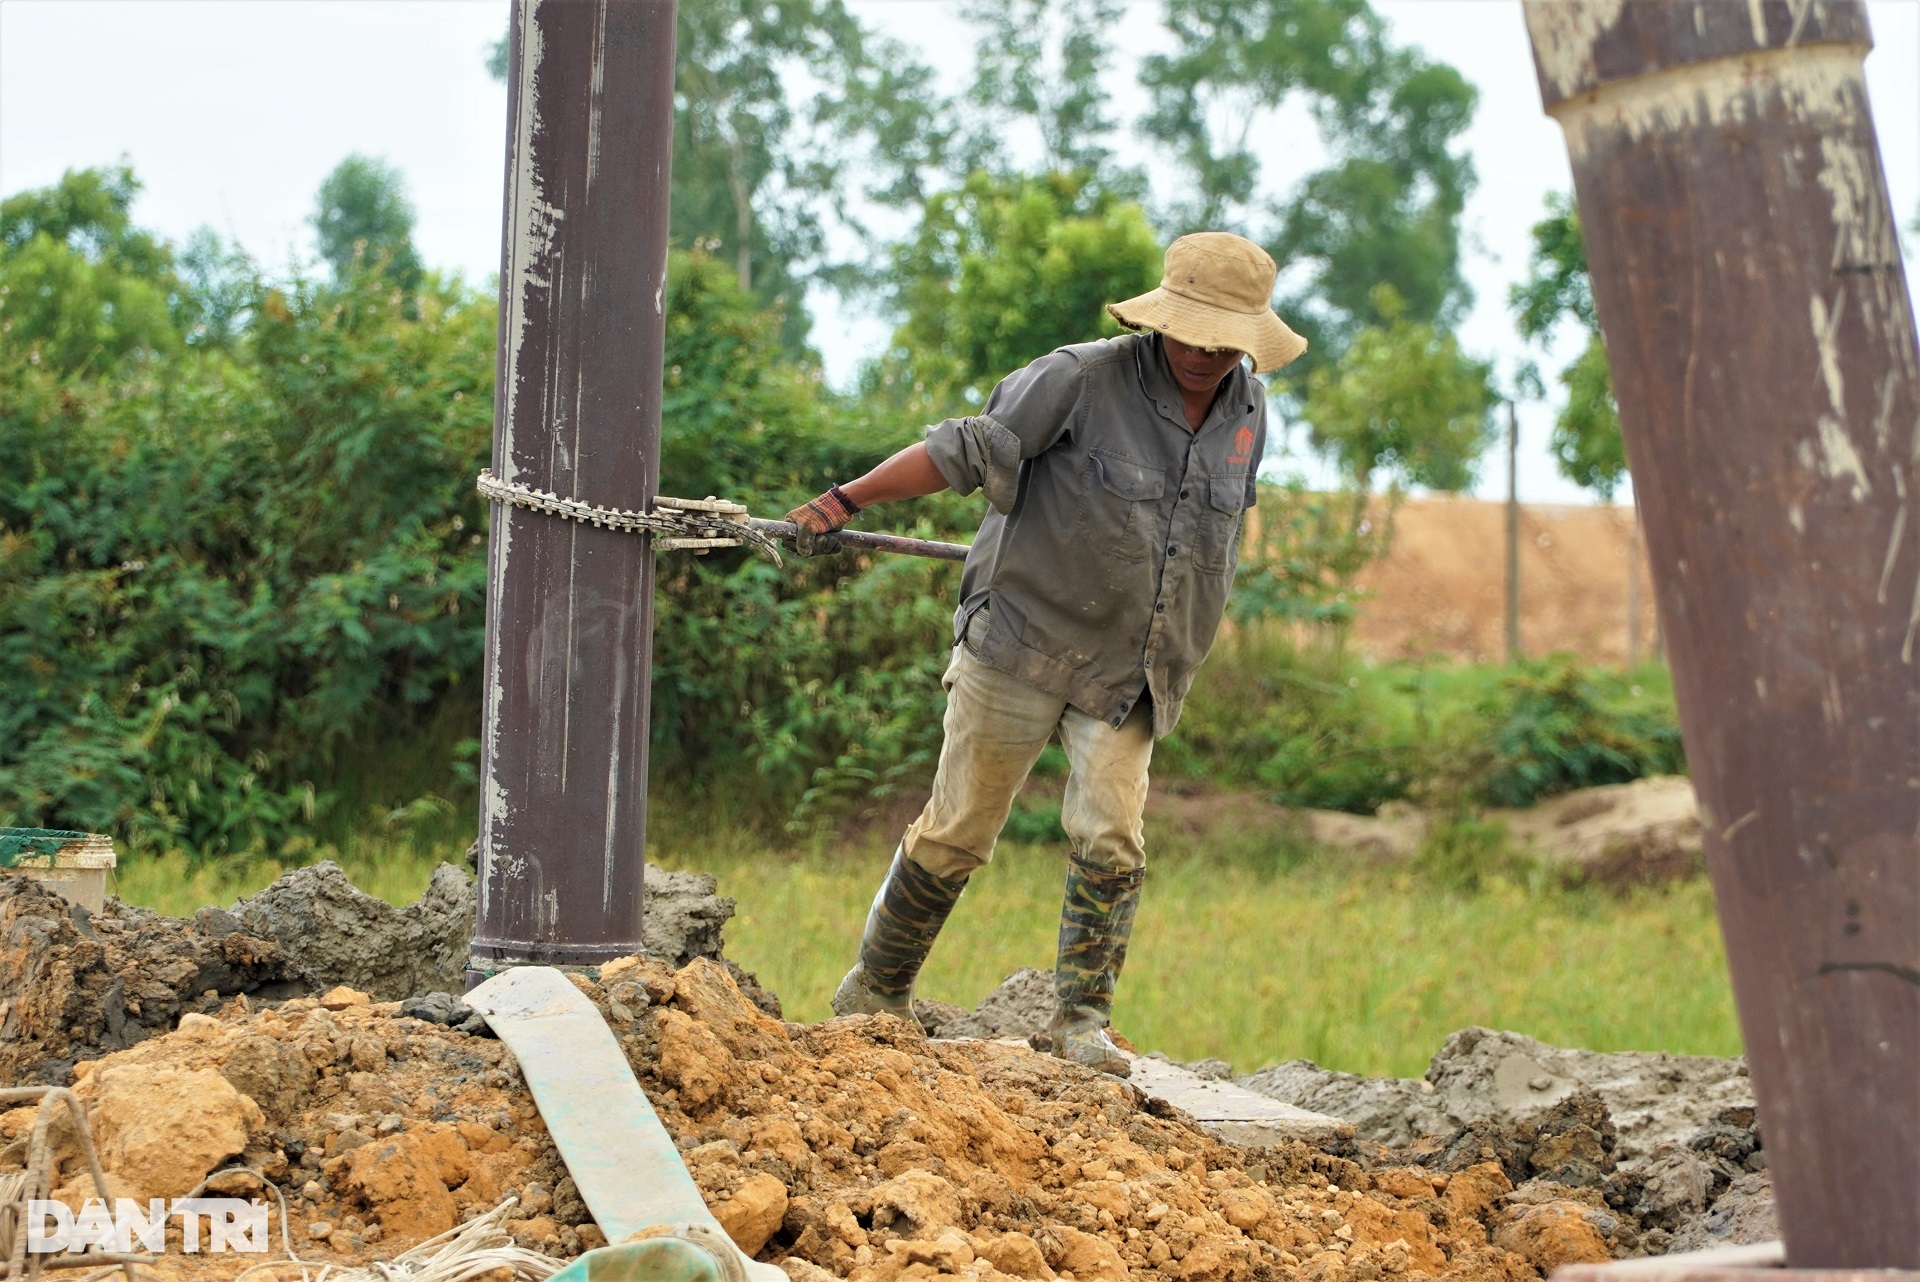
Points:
(1667, 1141)
(685, 915)
(340, 935)
(1021, 1006)
(1479, 1075)
(76, 985)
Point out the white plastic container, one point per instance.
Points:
(74, 864)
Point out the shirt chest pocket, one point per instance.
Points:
(1120, 512)
(1220, 522)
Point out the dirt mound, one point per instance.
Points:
(343, 936)
(1654, 1098)
(1643, 832)
(1640, 833)
(75, 985)
(856, 1148)
(1021, 1006)
(1657, 1139)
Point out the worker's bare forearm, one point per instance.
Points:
(907, 475)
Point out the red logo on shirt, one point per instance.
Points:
(1243, 445)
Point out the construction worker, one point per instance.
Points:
(1116, 473)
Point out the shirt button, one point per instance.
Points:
(1183, 494)
(1149, 663)
(1116, 722)
(1173, 549)
(1160, 607)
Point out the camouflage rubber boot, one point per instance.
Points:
(1096, 919)
(901, 926)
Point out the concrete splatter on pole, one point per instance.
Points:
(1762, 348)
(563, 765)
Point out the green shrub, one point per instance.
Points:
(1463, 853)
(1302, 551)
(242, 570)
(1294, 719)
(215, 572)
(229, 572)
(1556, 726)
(1034, 821)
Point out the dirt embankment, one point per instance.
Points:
(1441, 588)
(857, 1148)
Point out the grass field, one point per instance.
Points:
(1250, 958)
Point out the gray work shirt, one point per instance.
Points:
(1114, 529)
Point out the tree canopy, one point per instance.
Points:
(1404, 401)
(1002, 271)
(1385, 210)
(1587, 446)
(790, 118)
(82, 288)
(364, 220)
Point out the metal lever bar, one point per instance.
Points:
(860, 540)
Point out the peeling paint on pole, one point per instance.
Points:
(569, 606)
(1762, 349)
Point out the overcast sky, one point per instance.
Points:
(232, 111)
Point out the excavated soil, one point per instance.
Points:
(1669, 1142)
(856, 1148)
(1654, 1099)
(76, 985)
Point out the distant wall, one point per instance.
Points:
(1441, 588)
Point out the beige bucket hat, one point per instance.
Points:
(1216, 291)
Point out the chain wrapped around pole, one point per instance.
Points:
(699, 524)
(690, 524)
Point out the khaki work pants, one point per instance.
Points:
(995, 727)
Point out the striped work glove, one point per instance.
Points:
(819, 519)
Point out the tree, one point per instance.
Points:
(80, 287)
(1386, 211)
(764, 169)
(1038, 65)
(1003, 271)
(213, 578)
(1587, 446)
(1405, 400)
(223, 286)
(1389, 211)
(364, 220)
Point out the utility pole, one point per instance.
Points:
(1513, 534)
(1633, 589)
(1761, 343)
(569, 648)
